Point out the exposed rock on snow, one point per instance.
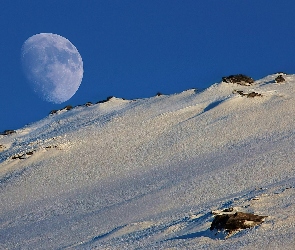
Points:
(23, 155)
(251, 94)
(279, 79)
(88, 104)
(7, 132)
(66, 108)
(236, 222)
(54, 111)
(239, 79)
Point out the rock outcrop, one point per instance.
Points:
(251, 94)
(231, 222)
(239, 79)
(7, 132)
(279, 79)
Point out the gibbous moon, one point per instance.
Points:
(53, 66)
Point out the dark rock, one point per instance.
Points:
(236, 221)
(22, 156)
(239, 79)
(241, 92)
(52, 112)
(8, 132)
(87, 104)
(251, 94)
(159, 94)
(279, 79)
(68, 107)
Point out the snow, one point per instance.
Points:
(146, 173)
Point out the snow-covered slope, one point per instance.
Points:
(146, 174)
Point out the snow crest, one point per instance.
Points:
(146, 174)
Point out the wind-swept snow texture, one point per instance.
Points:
(146, 174)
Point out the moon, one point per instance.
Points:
(53, 66)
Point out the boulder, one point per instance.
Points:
(236, 221)
(279, 79)
(253, 94)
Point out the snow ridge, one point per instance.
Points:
(147, 173)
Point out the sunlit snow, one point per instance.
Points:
(146, 173)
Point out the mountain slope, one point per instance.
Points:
(147, 173)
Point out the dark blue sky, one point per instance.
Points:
(135, 48)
